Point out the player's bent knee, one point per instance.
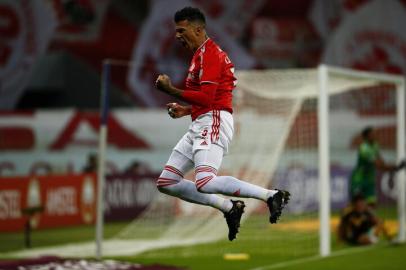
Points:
(205, 175)
(203, 187)
(202, 182)
(162, 189)
(165, 188)
(166, 180)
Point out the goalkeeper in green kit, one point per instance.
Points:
(369, 161)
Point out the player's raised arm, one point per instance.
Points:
(204, 97)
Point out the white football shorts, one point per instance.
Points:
(214, 127)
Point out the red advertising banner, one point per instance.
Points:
(127, 195)
(56, 200)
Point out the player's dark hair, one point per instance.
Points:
(366, 131)
(191, 14)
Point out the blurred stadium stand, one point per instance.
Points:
(67, 74)
(54, 84)
(268, 34)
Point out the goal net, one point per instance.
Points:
(331, 107)
(277, 144)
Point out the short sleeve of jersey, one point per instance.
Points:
(210, 67)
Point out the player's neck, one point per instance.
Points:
(201, 42)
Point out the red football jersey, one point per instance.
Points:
(210, 71)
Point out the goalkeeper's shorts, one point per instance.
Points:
(364, 187)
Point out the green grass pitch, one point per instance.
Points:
(268, 247)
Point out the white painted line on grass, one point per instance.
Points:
(314, 258)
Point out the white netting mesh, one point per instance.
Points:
(295, 83)
(268, 104)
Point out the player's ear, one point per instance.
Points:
(198, 29)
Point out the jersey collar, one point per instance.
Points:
(198, 49)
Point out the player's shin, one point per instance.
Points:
(185, 189)
(172, 182)
(231, 186)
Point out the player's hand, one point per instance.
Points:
(177, 111)
(163, 83)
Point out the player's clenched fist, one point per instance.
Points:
(163, 83)
(176, 111)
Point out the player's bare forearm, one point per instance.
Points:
(201, 98)
(173, 91)
(176, 110)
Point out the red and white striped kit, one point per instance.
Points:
(162, 182)
(204, 180)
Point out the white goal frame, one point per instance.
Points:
(324, 72)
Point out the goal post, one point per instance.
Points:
(101, 170)
(325, 73)
(324, 162)
(401, 145)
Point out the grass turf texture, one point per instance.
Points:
(378, 257)
(12, 241)
(267, 245)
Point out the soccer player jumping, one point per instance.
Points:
(209, 87)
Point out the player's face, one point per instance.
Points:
(187, 34)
